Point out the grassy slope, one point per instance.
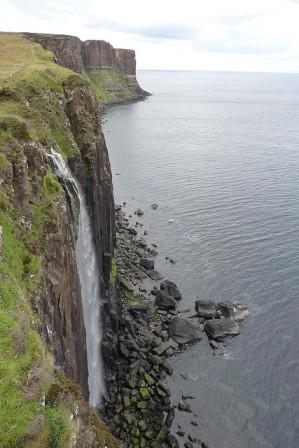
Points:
(31, 92)
(109, 85)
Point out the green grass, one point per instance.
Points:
(109, 85)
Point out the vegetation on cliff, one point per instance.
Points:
(36, 111)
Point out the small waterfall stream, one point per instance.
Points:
(90, 284)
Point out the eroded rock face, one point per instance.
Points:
(67, 49)
(98, 53)
(100, 58)
(126, 61)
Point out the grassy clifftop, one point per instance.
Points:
(38, 406)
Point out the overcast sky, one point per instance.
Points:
(243, 35)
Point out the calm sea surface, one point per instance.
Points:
(219, 153)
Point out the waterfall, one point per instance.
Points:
(90, 283)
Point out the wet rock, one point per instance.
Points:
(154, 206)
(172, 441)
(236, 311)
(126, 284)
(147, 263)
(184, 406)
(167, 367)
(183, 331)
(188, 397)
(219, 328)
(180, 433)
(188, 445)
(171, 289)
(205, 308)
(139, 212)
(155, 275)
(170, 417)
(164, 301)
(162, 348)
(132, 231)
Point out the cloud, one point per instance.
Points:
(216, 34)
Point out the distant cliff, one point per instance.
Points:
(111, 71)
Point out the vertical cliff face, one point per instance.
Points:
(98, 53)
(111, 71)
(44, 106)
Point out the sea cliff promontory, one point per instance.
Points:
(112, 71)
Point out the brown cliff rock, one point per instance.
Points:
(98, 53)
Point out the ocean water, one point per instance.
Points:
(219, 153)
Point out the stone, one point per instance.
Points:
(147, 263)
(126, 284)
(165, 346)
(167, 367)
(164, 301)
(184, 406)
(236, 311)
(139, 212)
(171, 289)
(219, 328)
(144, 392)
(155, 275)
(154, 206)
(183, 331)
(172, 441)
(205, 308)
(170, 417)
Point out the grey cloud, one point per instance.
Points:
(178, 32)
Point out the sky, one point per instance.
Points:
(229, 35)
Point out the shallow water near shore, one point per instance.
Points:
(219, 153)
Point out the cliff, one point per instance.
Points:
(45, 106)
(111, 71)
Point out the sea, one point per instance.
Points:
(219, 153)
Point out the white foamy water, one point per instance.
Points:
(90, 285)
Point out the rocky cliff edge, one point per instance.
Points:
(111, 71)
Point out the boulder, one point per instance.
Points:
(164, 301)
(139, 212)
(126, 284)
(171, 289)
(147, 263)
(236, 311)
(183, 331)
(184, 406)
(219, 328)
(172, 441)
(155, 275)
(205, 308)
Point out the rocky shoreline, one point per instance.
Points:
(138, 406)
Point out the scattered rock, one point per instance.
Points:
(139, 212)
(154, 206)
(171, 289)
(183, 331)
(184, 406)
(164, 301)
(205, 308)
(147, 263)
(219, 328)
(236, 311)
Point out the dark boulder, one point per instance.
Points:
(183, 331)
(219, 328)
(205, 308)
(147, 263)
(164, 301)
(171, 289)
(172, 441)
